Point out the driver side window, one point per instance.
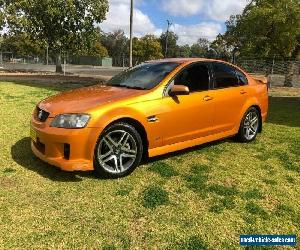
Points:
(195, 77)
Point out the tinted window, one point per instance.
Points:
(196, 77)
(242, 78)
(225, 76)
(144, 76)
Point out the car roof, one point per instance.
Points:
(184, 60)
(191, 60)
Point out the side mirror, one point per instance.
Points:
(179, 90)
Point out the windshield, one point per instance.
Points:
(144, 76)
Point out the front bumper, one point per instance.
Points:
(50, 143)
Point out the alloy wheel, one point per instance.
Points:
(117, 151)
(251, 124)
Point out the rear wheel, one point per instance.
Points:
(119, 151)
(249, 126)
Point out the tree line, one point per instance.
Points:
(265, 29)
(116, 45)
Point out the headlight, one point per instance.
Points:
(70, 121)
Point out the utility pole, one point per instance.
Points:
(47, 55)
(234, 52)
(167, 36)
(1, 59)
(64, 63)
(131, 33)
(1, 55)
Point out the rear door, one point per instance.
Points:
(230, 92)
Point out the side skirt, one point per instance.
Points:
(191, 143)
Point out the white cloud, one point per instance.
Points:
(221, 10)
(191, 33)
(182, 7)
(118, 18)
(218, 10)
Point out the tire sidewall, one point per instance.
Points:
(241, 133)
(138, 140)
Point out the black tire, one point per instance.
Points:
(242, 135)
(105, 169)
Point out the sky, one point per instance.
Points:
(191, 19)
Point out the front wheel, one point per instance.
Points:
(249, 126)
(118, 151)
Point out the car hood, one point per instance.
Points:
(84, 99)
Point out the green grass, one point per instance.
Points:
(163, 169)
(253, 194)
(253, 208)
(219, 205)
(124, 191)
(154, 196)
(193, 243)
(202, 198)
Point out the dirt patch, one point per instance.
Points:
(284, 91)
(7, 183)
(50, 78)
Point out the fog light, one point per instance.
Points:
(67, 151)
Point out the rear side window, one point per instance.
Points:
(225, 76)
(242, 78)
(195, 77)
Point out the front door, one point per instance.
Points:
(186, 117)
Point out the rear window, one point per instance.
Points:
(242, 78)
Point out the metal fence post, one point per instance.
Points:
(47, 55)
(1, 59)
(64, 63)
(272, 71)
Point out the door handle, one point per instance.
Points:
(243, 92)
(207, 98)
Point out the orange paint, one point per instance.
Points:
(182, 121)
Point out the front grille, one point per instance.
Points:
(41, 114)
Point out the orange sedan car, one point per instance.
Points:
(152, 109)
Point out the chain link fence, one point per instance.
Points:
(268, 67)
(276, 70)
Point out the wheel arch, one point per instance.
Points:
(251, 102)
(260, 116)
(140, 129)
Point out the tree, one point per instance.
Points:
(2, 15)
(22, 45)
(94, 50)
(99, 50)
(184, 51)
(63, 25)
(220, 48)
(267, 28)
(92, 47)
(172, 43)
(147, 48)
(201, 48)
(117, 45)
